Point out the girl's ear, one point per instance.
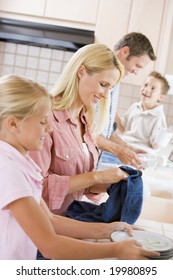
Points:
(12, 123)
(81, 71)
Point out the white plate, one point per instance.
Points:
(149, 240)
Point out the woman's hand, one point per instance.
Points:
(110, 176)
(104, 178)
(109, 228)
(123, 226)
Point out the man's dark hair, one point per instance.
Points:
(138, 44)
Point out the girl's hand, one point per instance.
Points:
(132, 250)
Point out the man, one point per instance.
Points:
(134, 51)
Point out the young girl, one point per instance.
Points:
(25, 221)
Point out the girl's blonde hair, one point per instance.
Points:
(96, 58)
(20, 96)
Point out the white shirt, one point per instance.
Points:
(113, 106)
(141, 126)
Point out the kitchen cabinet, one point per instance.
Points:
(73, 10)
(110, 19)
(69, 13)
(25, 7)
(150, 17)
(146, 17)
(169, 64)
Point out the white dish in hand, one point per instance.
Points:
(148, 240)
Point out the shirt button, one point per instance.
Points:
(67, 156)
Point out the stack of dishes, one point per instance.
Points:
(148, 240)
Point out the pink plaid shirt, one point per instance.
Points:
(61, 157)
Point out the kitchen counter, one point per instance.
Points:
(159, 180)
(165, 229)
(158, 205)
(157, 210)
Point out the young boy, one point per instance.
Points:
(143, 119)
(140, 124)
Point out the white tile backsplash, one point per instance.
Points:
(8, 59)
(22, 49)
(56, 66)
(42, 64)
(7, 70)
(170, 81)
(18, 71)
(45, 53)
(20, 60)
(10, 47)
(32, 62)
(42, 77)
(34, 51)
(31, 73)
(45, 65)
(2, 46)
(53, 77)
(67, 56)
(57, 54)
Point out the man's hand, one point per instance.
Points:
(120, 149)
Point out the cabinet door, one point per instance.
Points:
(154, 19)
(83, 11)
(164, 62)
(146, 17)
(112, 21)
(27, 7)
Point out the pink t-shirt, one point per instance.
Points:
(62, 156)
(19, 177)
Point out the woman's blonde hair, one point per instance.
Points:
(96, 58)
(20, 96)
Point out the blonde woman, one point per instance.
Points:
(69, 156)
(25, 221)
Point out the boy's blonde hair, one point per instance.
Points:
(164, 82)
(20, 96)
(96, 58)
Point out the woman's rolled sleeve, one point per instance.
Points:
(55, 190)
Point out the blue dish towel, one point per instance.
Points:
(123, 204)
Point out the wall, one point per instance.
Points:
(151, 17)
(169, 68)
(110, 19)
(41, 64)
